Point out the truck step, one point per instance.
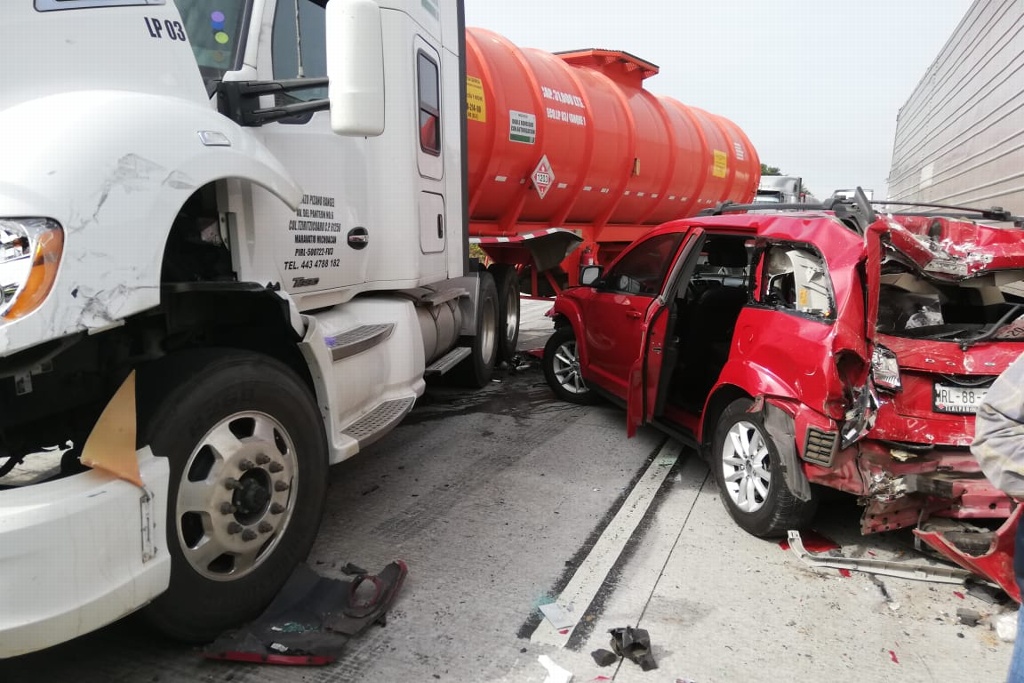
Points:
(447, 361)
(358, 339)
(379, 421)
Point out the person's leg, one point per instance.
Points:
(1016, 674)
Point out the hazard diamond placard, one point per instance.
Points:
(543, 177)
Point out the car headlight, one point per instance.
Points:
(885, 369)
(30, 251)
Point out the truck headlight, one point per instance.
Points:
(885, 369)
(30, 251)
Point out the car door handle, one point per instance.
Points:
(634, 314)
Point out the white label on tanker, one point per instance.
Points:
(721, 167)
(476, 105)
(741, 153)
(522, 127)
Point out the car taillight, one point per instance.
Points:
(885, 369)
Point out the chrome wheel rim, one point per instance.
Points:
(566, 366)
(511, 315)
(235, 498)
(746, 466)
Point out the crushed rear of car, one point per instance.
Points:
(837, 346)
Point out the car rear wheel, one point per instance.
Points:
(746, 466)
(562, 368)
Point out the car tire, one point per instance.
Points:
(478, 368)
(746, 462)
(562, 368)
(506, 281)
(248, 463)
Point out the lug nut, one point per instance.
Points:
(227, 509)
(276, 509)
(281, 485)
(262, 459)
(246, 465)
(265, 527)
(248, 535)
(232, 484)
(275, 467)
(234, 528)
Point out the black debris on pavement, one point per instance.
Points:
(634, 644)
(312, 618)
(604, 657)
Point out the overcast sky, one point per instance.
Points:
(815, 84)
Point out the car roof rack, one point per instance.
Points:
(995, 213)
(861, 210)
(855, 212)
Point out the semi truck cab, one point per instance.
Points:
(234, 246)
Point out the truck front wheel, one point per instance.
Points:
(248, 462)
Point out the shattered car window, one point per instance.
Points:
(912, 305)
(796, 279)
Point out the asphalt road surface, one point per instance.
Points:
(506, 499)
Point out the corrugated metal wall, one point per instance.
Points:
(960, 136)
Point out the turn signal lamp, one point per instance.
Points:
(30, 252)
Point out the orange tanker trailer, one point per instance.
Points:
(571, 159)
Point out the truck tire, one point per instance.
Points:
(746, 466)
(562, 368)
(248, 461)
(476, 370)
(506, 281)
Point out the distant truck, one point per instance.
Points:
(960, 135)
(781, 189)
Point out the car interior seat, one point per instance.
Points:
(711, 320)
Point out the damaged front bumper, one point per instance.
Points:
(80, 552)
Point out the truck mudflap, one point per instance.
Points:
(996, 565)
(543, 249)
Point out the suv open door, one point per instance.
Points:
(658, 352)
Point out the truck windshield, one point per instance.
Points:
(216, 30)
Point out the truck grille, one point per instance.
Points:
(819, 446)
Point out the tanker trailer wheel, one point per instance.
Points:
(476, 370)
(747, 468)
(506, 281)
(248, 463)
(562, 368)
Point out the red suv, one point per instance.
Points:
(830, 346)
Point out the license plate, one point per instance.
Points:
(951, 399)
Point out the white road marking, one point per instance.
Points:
(591, 574)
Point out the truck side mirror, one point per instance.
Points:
(355, 67)
(590, 274)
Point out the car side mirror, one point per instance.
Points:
(589, 275)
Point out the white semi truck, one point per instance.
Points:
(780, 189)
(232, 246)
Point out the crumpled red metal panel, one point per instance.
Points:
(996, 565)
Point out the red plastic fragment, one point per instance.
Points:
(893, 657)
(813, 542)
(958, 594)
(844, 573)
